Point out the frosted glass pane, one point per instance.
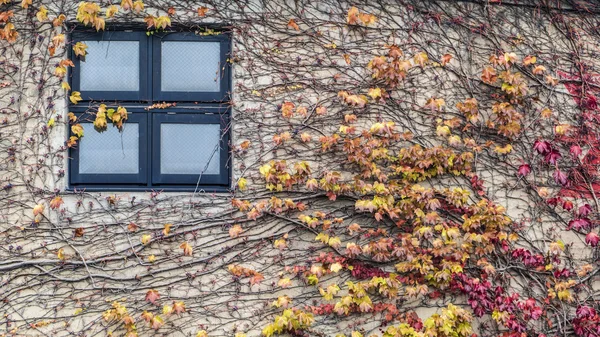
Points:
(110, 66)
(190, 66)
(110, 151)
(188, 148)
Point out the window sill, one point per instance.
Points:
(142, 189)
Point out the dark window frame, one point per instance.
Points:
(159, 178)
(193, 108)
(181, 96)
(131, 180)
(143, 94)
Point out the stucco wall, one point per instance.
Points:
(271, 63)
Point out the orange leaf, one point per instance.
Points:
(187, 249)
(446, 58)
(353, 16)
(293, 24)
(202, 11)
(235, 231)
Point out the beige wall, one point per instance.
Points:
(109, 263)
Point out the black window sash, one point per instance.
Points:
(144, 89)
(140, 178)
(221, 179)
(182, 96)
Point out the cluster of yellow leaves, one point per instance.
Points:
(239, 271)
(356, 17)
(117, 117)
(88, 13)
(278, 176)
(358, 101)
(136, 6)
(119, 313)
(290, 320)
(61, 70)
(160, 22)
(561, 290)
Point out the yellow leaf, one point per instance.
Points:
(42, 14)
(242, 184)
(77, 130)
(187, 249)
(146, 238)
(75, 97)
(80, 49)
(336, 267)
(167, 229)
(65, 86)
(111, 11)
(50, 122)
(61, 254)
(375, 93)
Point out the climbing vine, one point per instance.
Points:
(401, 168)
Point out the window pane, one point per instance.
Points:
(189, 148)
(110, 151)
(190, 66)
(110, 66)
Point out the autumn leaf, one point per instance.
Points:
(77, 130)
(151, 258)
(245, 145)
(65, 86)
(488, 75)
(61, 254)
(287, 109)
(353, 16)
(75, 97)
(421, 59)
(156, 322)
(242, 184)
(178, 307)
(446, 59)
(235, 231)
(26, 3)
(126, 4)
(202, 333)
(539, 70)
(78, 232)
(367, 19)
(347, 58)
(293, 24)
(167, 229)
(187, 249)
(152, 296)
(80, 49)
(146, 238)
(529, 60)
(72, 141)
(321, 110)
(305, 137)
(56, 202)
(171, 11)
(42, 14)
(111, 11)
(375, 93)
(202, 11)
(167, 309)
(138, 6)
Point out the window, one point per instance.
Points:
(178, 147)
